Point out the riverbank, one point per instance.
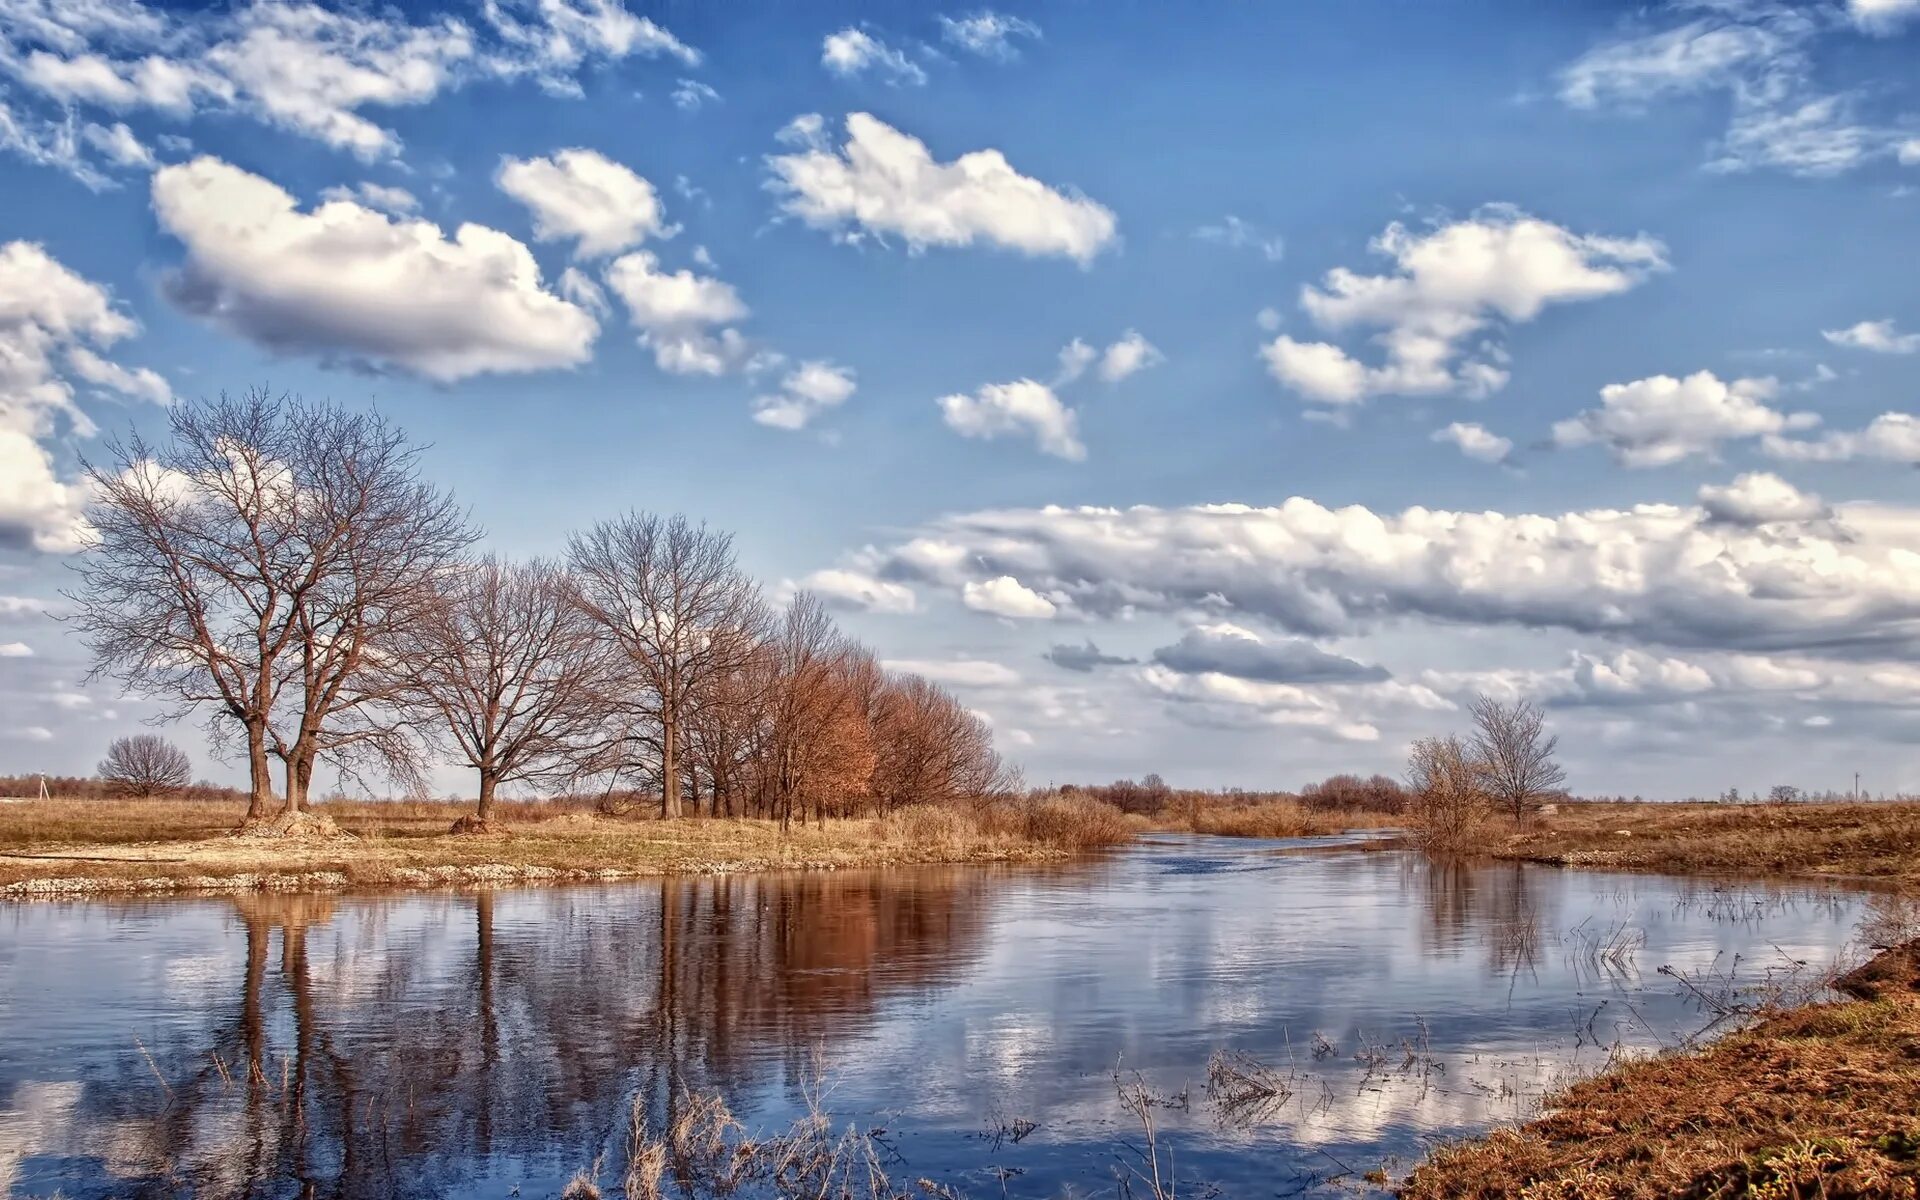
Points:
(1878, 842)
(1822, 1100)
(79, 848)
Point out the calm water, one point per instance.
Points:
(489, 1045)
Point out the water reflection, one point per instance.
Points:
(473, 1044)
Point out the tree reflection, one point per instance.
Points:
(1498, 906)
(401, 1047)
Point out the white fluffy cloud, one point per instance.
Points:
(1660, 420)
(1883, 16)
(886, 183)
(53, 324)
(852, 52)
(1760, 498)
(987, 33)
(345, 280)
(1451, 285)
(807, 391)
(1889, 437)
(1475, 441)
(1654, 573)
(1126, 357)
(1005, 597)
(851, 588)
(1878, 336)
(586, 197)
(1023, 407)
(957, 672)
(678, 313)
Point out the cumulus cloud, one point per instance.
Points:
(1348, 713)
(987, 33)
(680, 315)
(1021, 408)
(1128, 356)
(691, 95)
(1004, 596)
(15, 650)
(1475, 441)
(852, 52)
(1882, 16)
(957, 672)
(53, 326)
(809, 390)
(850, 588)
(1226, 649)
(1084, 658)
(1878, 336)
(586, 197)
(886, 183)
(1759, 498)
(1660, 420)
(1654, 573)
(1450, 285)
(395, 201)
(1889, 437)
(347, 281)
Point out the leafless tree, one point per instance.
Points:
(1446, 798)
(931, 749)
(507, 663)
(819, 742)
(251, 568)
(1515, 755)
(146, 765)
(669, 596)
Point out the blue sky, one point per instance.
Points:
(1560, 351)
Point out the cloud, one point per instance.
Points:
(15, 650)
(1758, 498)
(312, 70)
(32, 733)
(53, 325)
(690, 95)
(1236, 234)
(1889, 437)
(809, 390)
(957, 672)
(1005, 597)
(1660, 420)
(1128, 356)
(677, 313)
(1475, 441)
(1083, 658)
(1020, 407)
(584, 196)
(853, 52)
(987, 33)
(1449, 285)
(1877, 336)
(118, 145)
(395, 201)
(1348, 713)
(886, 183)
(346, 281)
(1701, 55)
(1883, 17)
(845, 587)
(1225, 649)
(1654, 573)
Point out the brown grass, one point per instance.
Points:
(69, 847)
(1865, 841)
(1816, 1101)
(1268, 819)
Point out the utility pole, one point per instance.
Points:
(1856, 787)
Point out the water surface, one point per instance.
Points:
(490, 1044)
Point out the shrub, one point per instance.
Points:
(1076, 822)
(928, 825)
(1447, 802)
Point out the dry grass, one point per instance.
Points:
(1816, 1101)
(1268, 819)
(73, 847)
(1868, 841)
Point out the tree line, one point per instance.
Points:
(285, 571)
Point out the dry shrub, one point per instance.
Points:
(1076, 823)
(929, 825)
(1447, 806)
(1274, 819)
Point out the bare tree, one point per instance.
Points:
(508, 664)
(819, 740)
(1515, 755)
(146, 765)
(250, 568)
(1446, 799)
(931, 749)
(670, 597)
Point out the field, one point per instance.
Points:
(74, 847)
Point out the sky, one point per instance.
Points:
(1231, 392)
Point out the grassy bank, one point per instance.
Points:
(77, 847)
(1267, 819)
(1822, 1100)
(1832, 841)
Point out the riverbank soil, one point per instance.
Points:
(83, 847)
(1822, 1100)
(1839, 842)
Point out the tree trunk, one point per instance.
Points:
(259, 776)
(487, 783)
(670, 767)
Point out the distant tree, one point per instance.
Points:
(1782, 793)
(1515, 755)
(146, 765)
(1446, 797)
